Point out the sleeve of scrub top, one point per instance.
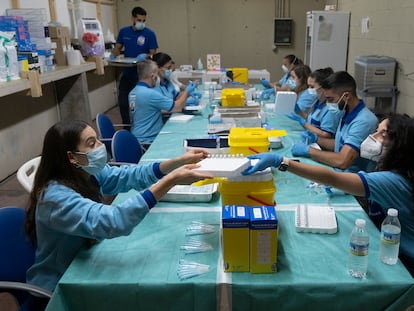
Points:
(65, 210)
(116, 179)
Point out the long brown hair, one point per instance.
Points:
(62, 137)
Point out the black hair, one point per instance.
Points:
(161, 59)
(293, 60)
(321, 74)
(400, 147)
(54, 165)
(340, 81)
(138, 11)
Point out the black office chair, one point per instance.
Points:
(17, 254)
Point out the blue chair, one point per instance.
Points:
(106, 130)
(125, 148)
(17, 254)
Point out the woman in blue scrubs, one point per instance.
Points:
(321, 120)
(391, 186)
(67, 212)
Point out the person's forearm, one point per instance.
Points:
(326, 143)
(162, 187)
(348, 182)
(171, 164)
(317, 131)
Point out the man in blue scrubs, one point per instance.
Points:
(137, 40)
(147, 104)
(356, 123)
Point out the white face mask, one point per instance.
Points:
(371, 149)
(139, 25)
(96, 160)
(285, 69)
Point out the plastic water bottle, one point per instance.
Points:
(390, 237)
(358, 250)
(199, 65)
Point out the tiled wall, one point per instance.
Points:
(391, 33)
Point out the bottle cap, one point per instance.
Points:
(392, 212)
(360, 222)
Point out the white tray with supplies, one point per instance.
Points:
(315, 219)
(190, 193)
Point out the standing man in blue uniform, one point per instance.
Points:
(138, 42)
(356, 123)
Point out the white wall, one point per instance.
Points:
(390, 34)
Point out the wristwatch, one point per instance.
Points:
(284, 165)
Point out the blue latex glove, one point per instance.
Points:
(141, 57)
(111, 57)
(267, 93)
(294, 116)
(265, 83)
(190, 87)
(191, 101)
(309, 137)
(196, 95)
(300, 150)
(266, 160)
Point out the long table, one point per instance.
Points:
(139, 271)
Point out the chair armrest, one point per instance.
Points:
(114, 163)
(26, 287)
(121, 125)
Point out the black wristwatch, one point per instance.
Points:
(284, 165)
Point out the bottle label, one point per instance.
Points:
(358, 250)
(390, 238)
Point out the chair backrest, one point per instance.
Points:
(106, 129)
(125, 147)
(285, 102)
(26, 173)
(16, 250)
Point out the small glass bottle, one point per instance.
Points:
(358, 250)
(390, 237)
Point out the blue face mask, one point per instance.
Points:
(139, 25)
(291, 84)
(167, 74)
(96, 160)
(313, 94)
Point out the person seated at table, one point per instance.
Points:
(356, 123)
(179, 86)
(299, 79)
(288, 62)
(166, 86)
(147, 104)
(321, 120)
(66, 210)
(391, 186)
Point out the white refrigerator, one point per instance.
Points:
(327, 39)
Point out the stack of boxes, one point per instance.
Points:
(249, 220)
(32, 37)
(249, 238)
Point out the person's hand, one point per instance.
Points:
(190, 87)
(112, 56)
(192, 101)
(186, 175)
(141, 57)
(265, 83)
(266, 160)
(193, 156)
(294, 116)
(309, 137)
(196, 95)
(267, 93)
(300, 150)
